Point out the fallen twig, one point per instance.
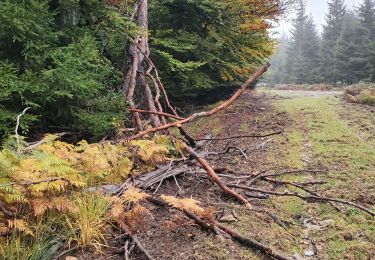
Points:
(227, 150)
(27, 183)
(191, 141)
(136, 241)
(265, 249)
(296, 184)
(213, 176)
(294, 171)
(239, 137)
(304, 197)
(251, 242)
(36, 144)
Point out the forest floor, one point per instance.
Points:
(320, 132)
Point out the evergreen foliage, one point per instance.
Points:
(279, 71)
(66, 59)
(344, 54)
(303, 58)
(331, 32)
(350, 66)
(55, 57)
(201, 45)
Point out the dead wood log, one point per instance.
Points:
(157, 82)
(136, 71)
(307, 198)
(195, 116)
(150, 179)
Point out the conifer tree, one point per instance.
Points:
(350, 66)
(278, 72)
(366, 16)
(303, 53)
(331, 32)
(372, 61)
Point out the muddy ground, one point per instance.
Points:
(320, 132)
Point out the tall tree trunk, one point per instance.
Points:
(135, 76)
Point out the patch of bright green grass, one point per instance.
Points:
(351, 160)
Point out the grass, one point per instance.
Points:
(244, 125)
(87, 226)
(48, 238)
(205, 125)
(351, 160)
(316, 129)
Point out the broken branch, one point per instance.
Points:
(195, 116)
(240, 136)
(213, 176)
(155, 113)
(136, 241)
(304, 197)
(265, 249)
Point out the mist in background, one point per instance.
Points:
(317, 8)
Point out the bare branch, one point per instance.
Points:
(17, 126)
(304, 197)
(195, 116)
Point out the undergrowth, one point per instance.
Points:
(45, 200)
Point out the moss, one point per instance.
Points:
(215, 248)
(244, 127)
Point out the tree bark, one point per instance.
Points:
(135, 75)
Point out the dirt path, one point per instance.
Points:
(319, 132)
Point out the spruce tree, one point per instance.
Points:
(278, 72)
(303, 53)
(331, 33)
(349, 64)
(366, 16)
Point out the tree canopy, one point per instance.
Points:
(66, 59)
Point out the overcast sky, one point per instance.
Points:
(318, 9)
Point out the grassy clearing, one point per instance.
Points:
(351, 161)
(318, 135)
